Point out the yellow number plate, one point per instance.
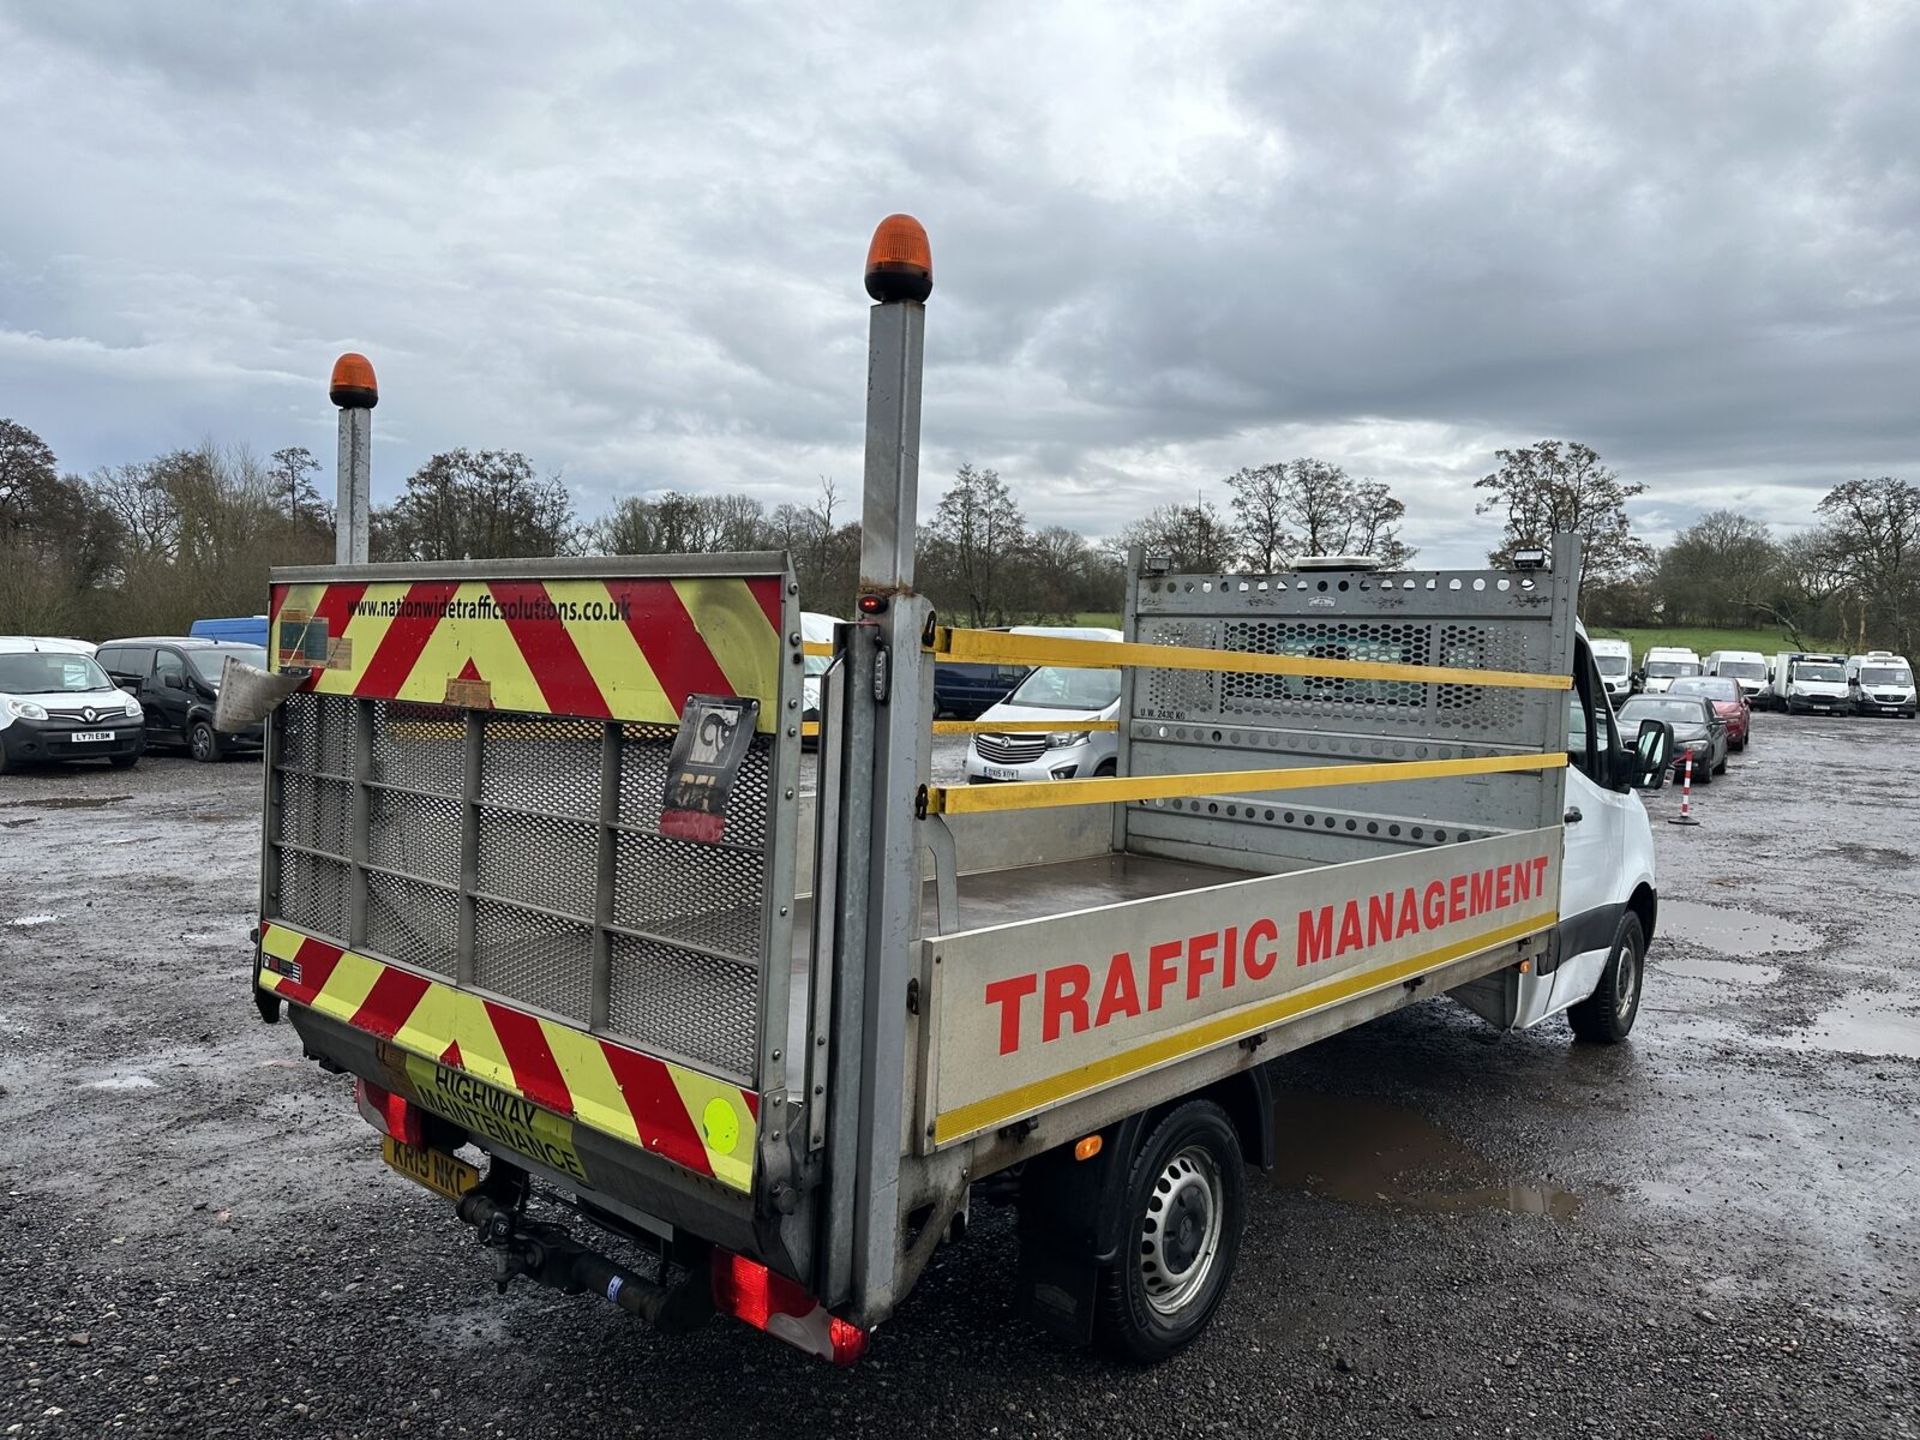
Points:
(437, 1171)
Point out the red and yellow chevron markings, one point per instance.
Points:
(707, 1126)
(623, 649)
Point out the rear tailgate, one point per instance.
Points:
(470, 895)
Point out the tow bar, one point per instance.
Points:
(548, 1255)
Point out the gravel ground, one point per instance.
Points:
(1708, 1232)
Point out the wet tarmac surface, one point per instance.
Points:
(1708, 1231)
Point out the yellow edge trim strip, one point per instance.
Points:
(1040, 794)
(817, 647)
(984, 645)
(1011, 1105)
(998, 727)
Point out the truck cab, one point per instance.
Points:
(1663, 664)
(1808, 683)
(1614, 660)
(1749, 667)
(1881, 683)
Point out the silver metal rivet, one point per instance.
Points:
(776, 1054)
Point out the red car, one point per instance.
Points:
(1729, 703)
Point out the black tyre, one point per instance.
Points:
(1106, 769)
(1721, 768)
(1703, 774)
(1606, 1017)
(203, 741)
(1186, 1203)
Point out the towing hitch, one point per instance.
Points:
(548, 1255)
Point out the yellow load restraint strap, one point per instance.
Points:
(982, 646)
(1040, 794)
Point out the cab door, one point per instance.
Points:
(1595, 827)
(167, 696)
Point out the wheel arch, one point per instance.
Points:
(1645, 902)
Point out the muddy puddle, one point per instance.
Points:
(1727, 931)
(1368, 1152)
(67, 802)
(1862, 1024)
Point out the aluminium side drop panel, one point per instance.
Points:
(1033, 1014)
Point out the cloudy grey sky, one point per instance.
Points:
(1168, 241)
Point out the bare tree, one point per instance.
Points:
(1558, 486)
(1260, 505)
(480, 504)
(982, 533)
(1192, 538)
(293, 468)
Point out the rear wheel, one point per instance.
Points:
(1606, 1017)
(204, 741)
(1186, 1204)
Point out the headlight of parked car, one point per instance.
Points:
(26, 710)
(1063, 739)
(133, 709)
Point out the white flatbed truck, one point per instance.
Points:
(538, 871)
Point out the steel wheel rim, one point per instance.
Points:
(202, 742)
(1180, 1232)
(1629, 968)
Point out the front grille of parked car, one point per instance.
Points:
(1010, 749)
(98, 713)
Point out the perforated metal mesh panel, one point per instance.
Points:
(662, 995)
(540, 959)
(313, 893)
(1184, 720)
(495, 884)
(416, 924)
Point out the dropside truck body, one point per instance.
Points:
(540, 872)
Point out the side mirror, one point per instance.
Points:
(1652, 755)
(174, 680)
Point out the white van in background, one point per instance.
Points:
(1664, 665)
(1061, 693)
(815, 629)
(1614, 659)
(1881, 683)
(1749, 667)
(1800, 682)
(57, 704)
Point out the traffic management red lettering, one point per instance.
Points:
(1072, 998)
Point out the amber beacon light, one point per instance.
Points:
(353, 386)
(899, 261)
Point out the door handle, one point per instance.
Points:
(1573, 815)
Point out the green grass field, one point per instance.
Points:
(1703, 642)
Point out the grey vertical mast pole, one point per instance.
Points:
(355, 391)
(899, 278)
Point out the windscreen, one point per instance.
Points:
(45, 673)
(1615, 665)
(1896, 675)
(1670, 669)
(207, 664)
(1743, 669)
(1676, 712)
(1829, 674)
(1715, 687)
(1057, 687)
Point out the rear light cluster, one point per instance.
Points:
(749, 1291)
(389, 1113)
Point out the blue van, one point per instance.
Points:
(242, 629)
